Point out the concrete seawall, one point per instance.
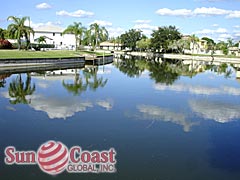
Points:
(41, 60)
(201, 58)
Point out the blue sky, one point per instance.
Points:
(218, 19)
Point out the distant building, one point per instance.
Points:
(110, 46)
(54, 35)
(234, 51)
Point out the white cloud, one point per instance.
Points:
(211, 31)
(102, 23)
(212, 11)
(202, 11)
(43, 6)
(224, 37)
(78, 13)
(217, 111)
(237, 26)
(215, 25)
(145, 26)
(35, 25)
(177, 12)
(115, 32)
(142, 21)
(234, 14)
(237, 34)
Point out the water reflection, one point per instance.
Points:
(220, 69)
(77, 87)
(165, 99)
(131, 67)
(199, 89)
(218, 111)
(92, 79)
(155, 113)
(20, 91)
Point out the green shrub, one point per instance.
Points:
(35, 46)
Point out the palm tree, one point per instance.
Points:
(88, 38)
(18, 90)
(193, 39)
(41, 39)
(99, 34)
(230, 42)
(18, 29)
(78, 30)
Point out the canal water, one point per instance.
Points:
(166, 119)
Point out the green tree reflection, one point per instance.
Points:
(92, 79)
(88, 80)
(131, 67)
(77, 87)
(221, 69)
(163, 72)
(19, 90)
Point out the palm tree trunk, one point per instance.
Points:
(19, 44)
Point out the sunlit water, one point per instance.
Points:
(166, 121)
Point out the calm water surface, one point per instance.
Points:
(166, 120)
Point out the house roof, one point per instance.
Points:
(49, 28)
(106, 43)
(233, 48)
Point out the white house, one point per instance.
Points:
(54, 35)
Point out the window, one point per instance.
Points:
(53, 34)
(60, 43)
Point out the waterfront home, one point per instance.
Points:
(54, 35)
(110, 46)
(234, 51)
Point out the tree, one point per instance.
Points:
(163, 36)
(98, 34)
(230, 42)
(144, 44)
(211, 45)
(2, 33)
(88, 38)
(18, 29)
(129, 39)
(222, 46)
(179, 45)
(193, 39)
(41, 39)
(78, 30)
(18, 90)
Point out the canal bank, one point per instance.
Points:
(17, 65)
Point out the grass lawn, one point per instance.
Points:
(8, 54)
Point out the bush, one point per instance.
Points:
(37, 47)
(5, 44)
